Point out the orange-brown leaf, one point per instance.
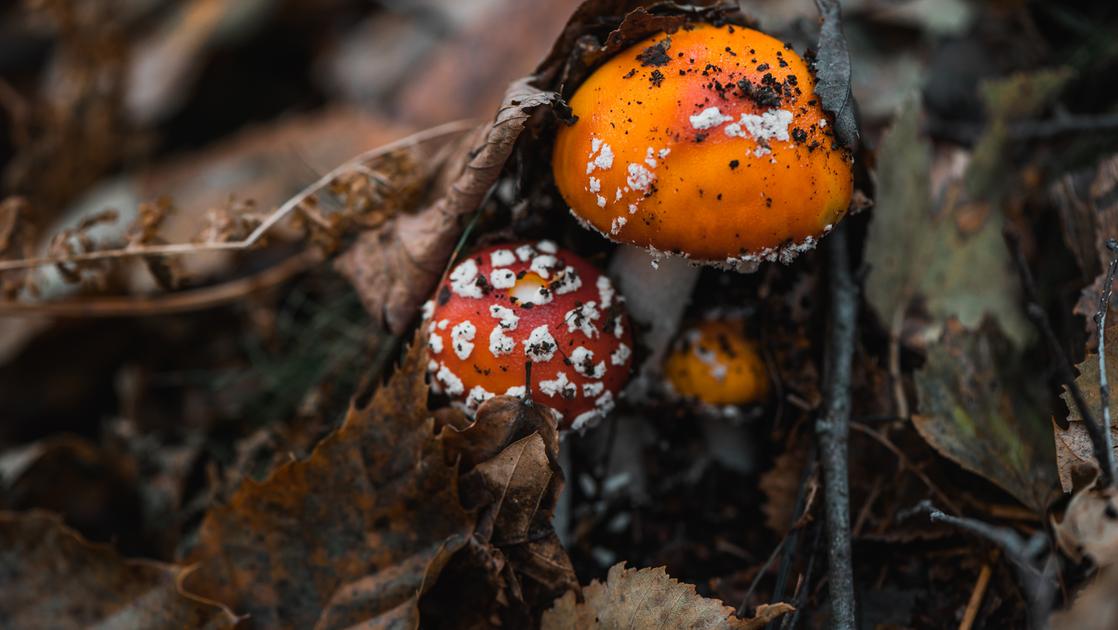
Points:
(52, 578)
(353, 534)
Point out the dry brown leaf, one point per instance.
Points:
(354, 534)
(649, 598)
(395, 267)
(1073, 444)
(780, 484)
(52, 578)
(516, 483)
(1089, 215)
(1094, 608)
(1089, 528)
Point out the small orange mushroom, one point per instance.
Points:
(509, 306)
(715, 363)
(709, 143)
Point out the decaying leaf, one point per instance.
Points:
(833, 73)
(517, 488)
(1008, 99)
(953, 258)
(1073, 444)
(52, 578)
(599, 29)
(354, 534)
(1089, 528)
(395, 267)
(1088, 206)
(974, 411)
(780, 485)
(1094, 608)
(649, 598)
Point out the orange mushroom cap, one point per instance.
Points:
(715, 363)
(709, 143)
(509, 305)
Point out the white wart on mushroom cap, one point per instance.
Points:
(511, 305)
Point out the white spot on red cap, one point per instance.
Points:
(540, 345)
(474, 399)
(502, 258)
(463, 280)
(558, 386)
(568, 281)
(502, 278)
(582, 360)
(605, 291)
(620, 355)
(582, 318)
(435, 343)
(543, 264)
(462, 337)
(452, 385)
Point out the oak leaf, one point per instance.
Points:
(649, 598)
(353, 534)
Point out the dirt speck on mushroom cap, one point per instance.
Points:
(724, 156)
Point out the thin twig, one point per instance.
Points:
(168, 303)
(1103, 455)
(1100, 323)
(802, 593)
(793, 536)
(289, 206)
(974, 604)
(1029, 130)
(743, 608)
(907, 463)
(832, 429)
(1031, 559)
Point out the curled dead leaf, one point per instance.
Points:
(1094, 608)
(649, 598)
(1089, 528)
(512, 475)
(52, 578)
(394, 268)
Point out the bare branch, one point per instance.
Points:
(357, 164)
(833, 427)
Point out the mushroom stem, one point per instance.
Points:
(657, 289)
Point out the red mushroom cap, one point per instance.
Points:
(509, 305)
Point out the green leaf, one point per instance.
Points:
(976, 411)
(916, 251)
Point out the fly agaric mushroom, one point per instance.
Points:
(714, 363)
(708, 143)
(513, 305)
